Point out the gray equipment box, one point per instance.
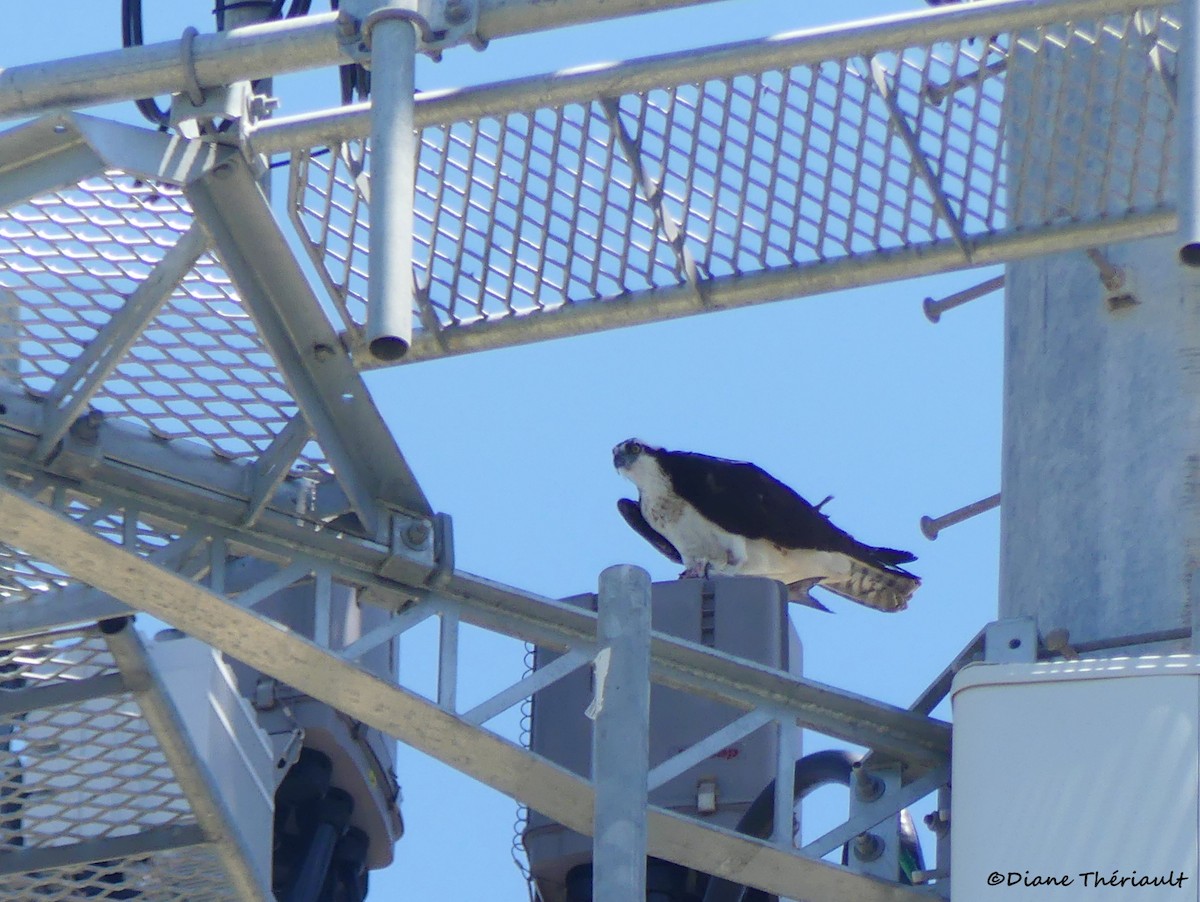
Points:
(742, 616)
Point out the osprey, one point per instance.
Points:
(719, 516)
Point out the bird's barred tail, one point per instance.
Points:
(875, 587)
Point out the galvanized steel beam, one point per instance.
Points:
(54, 695)
(620, 712)
(191, 773)
(783, 283)
(335, 402)
(415, 721)
(96, 362)
(16, 860)
(129, 468)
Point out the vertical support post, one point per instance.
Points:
(785, 784)
(178, 748)
(393, 178)
(1100, 525)
(447, 684)
(1188, 111)
(621, 736)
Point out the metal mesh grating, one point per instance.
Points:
(176, 875)
(26, 664)
(529, 210)
(69, 260)
(1123, 137)
(23, 578)
(85, 771)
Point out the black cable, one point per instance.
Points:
(356, 79)
(288, 159)
(131, 36)
(817, 769)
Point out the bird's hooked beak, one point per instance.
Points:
(626, 453)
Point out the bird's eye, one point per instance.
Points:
(634, 447)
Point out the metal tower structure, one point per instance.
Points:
(177, 397)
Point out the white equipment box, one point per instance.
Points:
(1076, 780)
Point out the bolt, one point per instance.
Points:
(87, 427)
(1112, 277)
(938, 821)
(1059, 641)
(417, 534)
(262, 105)
(867, 786)
(868, 846)
(931, 526)
(935, 309)
(322, 351)
(457, 12)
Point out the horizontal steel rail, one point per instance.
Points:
(421, 724)
(215, 509)
(179, 749)
(285, 134)
(259, 51)
(768, 286)
(552, 262)
(144, 844)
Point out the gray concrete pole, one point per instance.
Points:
(621, 735)
(1100, 522)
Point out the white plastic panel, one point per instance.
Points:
(1076, 771)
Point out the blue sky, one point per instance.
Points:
(852, 394)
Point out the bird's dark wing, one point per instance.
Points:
(744, 499)
(632, 513)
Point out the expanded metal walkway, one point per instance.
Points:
(173, 396)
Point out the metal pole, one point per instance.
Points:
(1188, 110)
(314, 41)
(256, 51)
(1101, 512)
(393, 176)
(621, 736)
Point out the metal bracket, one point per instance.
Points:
(420, 548)
(196, 106)
(80, 451)
(876, 851)
(439, 24)
(1118, 294)
(938, 822)
(1011, 641)
(443, 550)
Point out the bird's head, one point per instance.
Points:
(627, 454)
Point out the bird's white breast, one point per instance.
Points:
(699, 540)
(694, 536)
